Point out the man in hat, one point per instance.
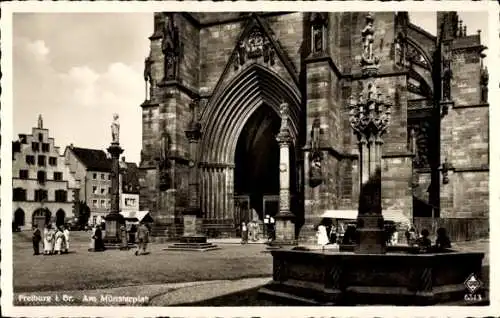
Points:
(37, 237)
(142, 238)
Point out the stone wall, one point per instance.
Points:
(465, 137)
(206, 70)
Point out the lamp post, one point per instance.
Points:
(369, 116)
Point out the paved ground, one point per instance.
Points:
(230, 276)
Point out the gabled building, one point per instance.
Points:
(44, 188)
(93, 168)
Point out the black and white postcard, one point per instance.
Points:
(250, 158)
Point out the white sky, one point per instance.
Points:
(77, 69)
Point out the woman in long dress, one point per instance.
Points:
(50, 240)
(66, 239)
(322, 236)
(46, 242)
(92, 239)
(59, 241)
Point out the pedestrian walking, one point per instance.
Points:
(142, 238)
(99, 244)
(123, 236)
(37, 237)
(244, 233)
(59, 241)
(48, 238)
(92, 239)
(322, 236)
(66, 239)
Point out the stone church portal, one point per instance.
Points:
(251, 110)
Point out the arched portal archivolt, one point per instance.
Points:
(229, 111)
(222, 124)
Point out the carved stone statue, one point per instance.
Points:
(241, 53)
(171, 47)
(368, 39)
(148, 78)
(318, 39)
(319, 22)
(115, 129)
(315, 135)
(447, 76)
(315, 172)
(40, 121)
(399, 50)
(484, 85)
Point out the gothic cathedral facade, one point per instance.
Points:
(215, 83)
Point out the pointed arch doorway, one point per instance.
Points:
(239, 154)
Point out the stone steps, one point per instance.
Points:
(195, 247)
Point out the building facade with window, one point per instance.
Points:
(129, 190)
(44, 189)
(93, 168)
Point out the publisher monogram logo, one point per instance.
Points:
(472, 283)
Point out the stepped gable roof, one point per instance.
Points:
(93, 159)
(130, 179)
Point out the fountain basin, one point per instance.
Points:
(399, 277)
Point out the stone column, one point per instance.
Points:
(369, 117)
(191, 217)
(114, 219)
(285, 228)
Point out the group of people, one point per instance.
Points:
(330, 234)
(142, 238)
(422, 241)
(55, 239)
(252, 230)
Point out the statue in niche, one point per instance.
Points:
(255, 43)
(115, 129)
(447, 76)
(171, 47)
(164, 163)
(318, 24)
(268, 53)
(148, 78)
(399, 50)
(368, 38)
(40, 121)
(240, 56)
(318, 39)
(315, 174)
(164, 149)
(413, 141)
(484, 85)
